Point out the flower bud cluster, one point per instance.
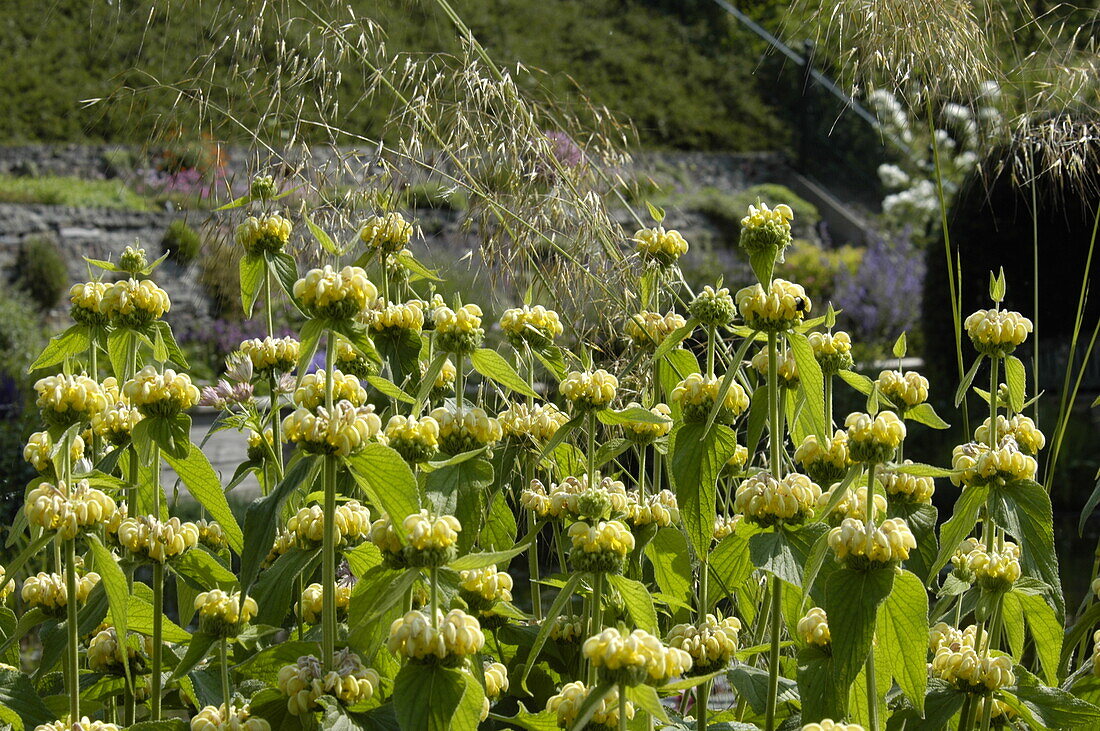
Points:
(84, 724)
(351, 524)
(384, 536)
(833, 351)
(601, 547)
(661, 509)
(1021, 428)
(153, 540)
(133, 259)
(658, 246)
(590, 390)
(271, 355)
(387, 233)
(786, 367)
(458, 331)
(416, 440)
(466, 427)
(134, 304)
(116, 422)
(160, 394)
(6, 587)
(567, 628)
(956, 660)
(710, 643)
(909, 488)
(350, 360)
(49, 593)
(825, 462)
(66, 510)
(778, 309)
(532, 426)
(996, 570)
(634, 658)
(737, 461)
(455, 636)
(338, 295)
(212, 535)
(828, 724)
(713, 308)
(216, 718)
(767, 501)
(536, 326)
(886, 544)
(697, 394)
(484, 587)
(263, 234)
(260, 444)
(444, 380)
(38, 448)
(647, 432)
(394, 317)
(343, 431)
(496, 680)
(430, 540)
(345, 387)
(574, 498)
(566, 706)
(975, 463)
(303, 682)
(766, 229)
(66, 400)
(905, 390)
(222, 614)
(1096, 653)
(813, 628)
(874, 439)
(647, 330)
(87, 303)
(852, 505)
(726, 525)
(997, 332)
(310, 606)
(107, 655)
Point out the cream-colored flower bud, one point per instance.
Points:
(394, 317)
(217, 718)
(157, 393)
(975, 464)
(465, 428)
(67, 400)
(887, 544)
(455, 636)
(646, 432)
(725, 525)
(271, 355)
(813, 628)
(416, 440)
(1021, 428)
(833, 351)
(567, 704)
(86, 299)
(38, 448)
(311, 391)
(387, 233)
(661, 509)
(222, 614)
(263, 234)
(908, 488)
(345, 430)
(711, 643)
(766, 230)
(828, 724)
(601, 547)
(825, 462)
(150, 539)
(309, 607)
(531, 426)
(713, 308)
(786, 367)
(633, 658)
(458, 331)
(133, 303)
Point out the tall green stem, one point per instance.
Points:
(433, 577)
(828, 404)
(591, 449)
(595, 618)
(773, 407)
(223, 656)
(872, 691)
(532, 550)
(622, 707)
(158, 640)
(328, 567)
(702, 695)
(72, 651)
(773, 654)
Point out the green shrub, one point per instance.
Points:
(433, 195)
(816, 268)
(181, 242)
(806, 215)
(219, 275)
(59, 190)
(41, 272)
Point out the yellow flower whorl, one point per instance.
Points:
(887, 544)
(905, 390)
(778, 309)
(351, 524)
(1021, 428)
(217, 718)
(271, 355)
(911, 488)
(813, 628)
(339, 295)
(997, 332)
(536, 325)
(431, 540)
(416, 440)
(150, 539)
(696, 396)
(130, 303)
(66, 400)
(766, 229)
(387, 233)
(852, 505)
(975, 464)
(786, 367)
(833, 351)
(532, 426)
(661, 509)
(646, 432)
(589, 390)
(310, 606)
(767, 501)
(68, 511)
(86, 299)
(825, 462)
(874, 439)
(601, 547)
(711, 643)
(464, 428)
(394, 317)
(634, 658)
(566, 705)
(221, 613)
(263, 234)
(647, 330)
(84, 724)
(303, 682)
(828, 724)
(345, 387)
(484, 587)
(343, 431)
(38, 448)
(49, 593)
(458, 331)
(959, 662)
(658, 246)
(160, 394)
(455, 636)
(107, 655)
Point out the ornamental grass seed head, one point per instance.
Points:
(874, 439)
(535, 326)
(766, 501)
(778, 309)
(647, 330)
(268, 234)
(336, 295)
(997, 333)
(697, 394)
